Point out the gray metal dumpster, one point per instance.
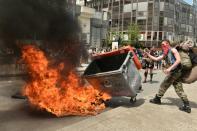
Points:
(116, 74)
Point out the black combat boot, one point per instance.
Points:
(186, 107)
(156, 100)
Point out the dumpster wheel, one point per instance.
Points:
(133, 100)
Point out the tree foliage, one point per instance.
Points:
(133, 34)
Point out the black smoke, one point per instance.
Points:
(45, 20)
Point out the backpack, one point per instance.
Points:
(184, 51)
(185, 60)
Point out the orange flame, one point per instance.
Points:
(49, 91)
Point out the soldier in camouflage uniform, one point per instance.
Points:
(174, 72)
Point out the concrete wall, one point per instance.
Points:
(84, 18)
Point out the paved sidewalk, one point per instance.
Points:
(145, 116)
(120, 115)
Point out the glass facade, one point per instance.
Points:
(157, 19)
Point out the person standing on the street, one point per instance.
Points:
(173, 72)
(149, 65)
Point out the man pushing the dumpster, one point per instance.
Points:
(173, 72)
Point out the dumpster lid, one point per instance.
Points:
(122, 50)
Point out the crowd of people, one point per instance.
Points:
(148, 64)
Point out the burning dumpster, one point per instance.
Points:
(116, 73)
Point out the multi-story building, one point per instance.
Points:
(94, 26)
(157, 19)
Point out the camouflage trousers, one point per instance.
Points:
(173, 79)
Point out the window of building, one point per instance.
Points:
(155, 21)
(142, 27)
(141, 22)
(134, 13)
(127, 22)
(190, 16)
(115, 9)
(149, 27)
(165, 21)
(114, 22)
(150, 5)
(150, 20)
(161, 20)
(161, 13)
(160, 28)
(142, 0)
(134, 1)
(170, 21)
(171, 6)
(133, 19)
(142, 36)
(160, 35)
(150, 9)
(140, 13)
(148, 35)
(155, 36)
(155, 27)
(184, 10)
(190, 29)
(156, 4)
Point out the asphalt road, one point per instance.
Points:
(16, 115)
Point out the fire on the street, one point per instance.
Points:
(49, 90)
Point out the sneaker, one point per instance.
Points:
(185, 108)
(156, 100)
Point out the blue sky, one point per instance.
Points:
(189, 1)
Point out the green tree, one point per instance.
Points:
(107, 41)
(133, 34)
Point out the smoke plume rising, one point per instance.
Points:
(45, 20)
